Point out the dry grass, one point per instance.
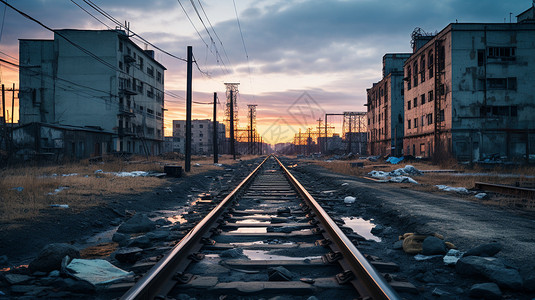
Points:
(84, 190)
(428, 181)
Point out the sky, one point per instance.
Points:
(298, 59)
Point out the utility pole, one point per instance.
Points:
(214, 138)
(188, 110)
(232, 149)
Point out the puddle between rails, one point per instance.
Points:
(362, 227)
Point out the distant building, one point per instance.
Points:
(385, 108)
(119, 91)
(201, 136)
(469, 91)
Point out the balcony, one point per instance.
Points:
(127, 89)
(126, 111)
(129, 59)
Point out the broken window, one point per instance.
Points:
(415, 102)
(501, 83)
(501, 53)
(430, 97)
(430, 64)
(415, 76)
(422, 68)
(408, 78)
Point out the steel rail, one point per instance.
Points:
(506, 189)
(150, 285)
(374, 284)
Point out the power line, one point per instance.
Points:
(215, 33)
(3, 21)
(115, 21)
(217, 55)
(91, 14)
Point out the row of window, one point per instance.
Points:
(131, 56)
(424, 120)
(192, 126)
(414, 102)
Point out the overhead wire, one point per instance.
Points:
(91, 14)
(215, 33)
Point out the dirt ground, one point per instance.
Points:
(400, 209)
(21, 240)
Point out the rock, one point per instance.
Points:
(481, 196)
(162, 222)
(17, 278)
(26, 289)
(412, 243)
(175, 227)
(115, 222)
(141, 242)
(157, 235)
(490, 268)
(490, 249)
(529, 280)
(3, 261)
(489, 291)
(51, 256)
(119, 237)
(78, 286)
(128, 255)
(439, 293)
(398, 245)
(279, 274)
(433, 245)
(137, 224)
(232, 253)
(283, 211)
(377, 229)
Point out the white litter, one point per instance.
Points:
(345, 183)
(68, 175)
(218, 165)
(349, 200)
(132, 174)
(452, 257)
(425, 257)
(480, 195)
(59, 205)
(97, 271)
(56, 191)
(402, 179)
(446, 188)
(398, 175)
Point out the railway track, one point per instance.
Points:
(266, 238)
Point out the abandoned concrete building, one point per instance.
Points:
(201, 136)
(469, 91)
(385, 108)
(98, 80)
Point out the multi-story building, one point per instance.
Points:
(97, 79)
(385, 108)
(469, 91)
(201, 136)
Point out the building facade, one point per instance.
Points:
(96, 79)
(385, 108)
(201, 136)
(469, 92)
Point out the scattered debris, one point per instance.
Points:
(59, 189)
(349, 200)
(398, 175)
(426, 257)
(394, 160)
(97, 271)
(345, 183)
(452, 257)
(18, 189)
(460, 190)
(59, 205)
(279, 274)
(481, 196)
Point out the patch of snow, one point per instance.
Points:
(460, 190)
